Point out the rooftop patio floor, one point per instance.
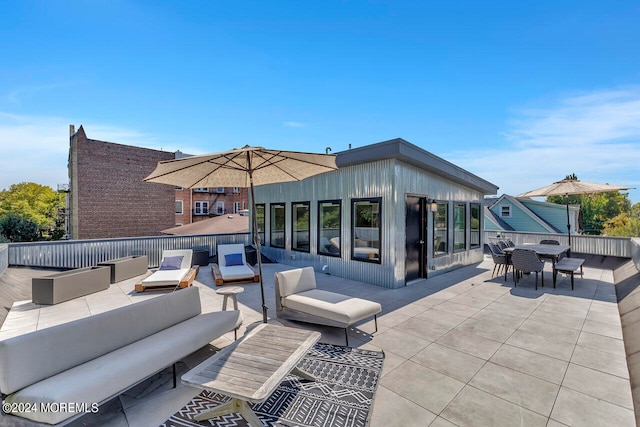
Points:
(461, 349)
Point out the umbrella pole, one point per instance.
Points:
(568, 225)
(256, 241)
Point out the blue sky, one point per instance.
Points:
(518, 93)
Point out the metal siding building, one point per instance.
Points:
(394, 171)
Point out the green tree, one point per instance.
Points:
(624, 225)
(38, 203)
(16, 228)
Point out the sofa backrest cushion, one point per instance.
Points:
(29, 358)
(294, 281)
(186, 254)
(230, 249)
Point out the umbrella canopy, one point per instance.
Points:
(243, 167)
(568, 186)
(571, 186)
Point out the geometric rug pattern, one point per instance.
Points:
(341, 396)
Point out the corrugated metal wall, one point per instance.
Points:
(392, 181)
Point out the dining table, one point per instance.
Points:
(552, 252)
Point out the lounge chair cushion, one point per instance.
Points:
(237, 272)
(171, 263)
(295, 281)
(330, 305)
(163, 277)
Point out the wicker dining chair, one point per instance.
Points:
(526, 261)
(500, 260)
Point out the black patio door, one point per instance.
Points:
(415, 250)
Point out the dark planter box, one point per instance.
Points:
(127, 267)
(67, 285)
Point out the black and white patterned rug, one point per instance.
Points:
(343, 394)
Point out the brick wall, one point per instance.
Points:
(212, 198)
(109, 196)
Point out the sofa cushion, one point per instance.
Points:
(100, 379)
(31, 357)
(233, 259)
(237, 272)
(296, 280)
(330, 305)
(171, 263)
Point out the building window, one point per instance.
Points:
(200, 190)
(474, 234)
(300, 226)
(441, 229)
(220, 190)
(277, 225)
(505, 211)
(366, 229)
(220, 208)
(201, 208)
(236, 189)
(459, 226)
(178, 188)
(236, 207)
(329, 226)
(260, 222)
(178, 207)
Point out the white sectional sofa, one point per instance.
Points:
(90, 360)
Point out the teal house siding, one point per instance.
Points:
(510, 214)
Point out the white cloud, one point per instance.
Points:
(595, 135)
(293, 124)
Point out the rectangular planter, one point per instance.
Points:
(67, 285)
(127, 267)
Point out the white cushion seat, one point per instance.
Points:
(237, 272)
(171, 277)
(234, 272)
(341, 308)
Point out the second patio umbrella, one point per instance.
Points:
(571, 186)
(243, 167)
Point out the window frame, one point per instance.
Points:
(294, 205)
(473, 231)
(272, 218)
(181, 207)
(456, 247)
(502, 211)
(220, 207)
(373, 260)
(437, 253)
(319, 248)
(198, 206)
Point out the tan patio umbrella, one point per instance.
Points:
(571, 186)
(243, 167)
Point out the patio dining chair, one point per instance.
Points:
(500, 260)
(526, 261)
(502, 244)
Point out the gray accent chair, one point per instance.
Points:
(500, 260)
(297, 298)
(526, 261)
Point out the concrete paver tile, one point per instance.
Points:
(573, 408)
(598, 384)
(538, 365)
(454, 363)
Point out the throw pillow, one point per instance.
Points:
(171, 263)
(233, 259)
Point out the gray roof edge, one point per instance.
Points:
(404, 151)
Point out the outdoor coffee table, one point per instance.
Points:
(250, 369)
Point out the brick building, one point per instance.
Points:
(107, 195)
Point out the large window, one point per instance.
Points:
(366, 229)
(474, 234)
(277, 225)
(329, 227)
(260, 222)
(178, 207)
(300, 226)
(441, 229)
(459, 226)
(220, 208)
(201, 208)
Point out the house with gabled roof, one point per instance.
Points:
(507, 213)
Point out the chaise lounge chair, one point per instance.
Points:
(297, 298)
(174, 271)
(232, 266)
